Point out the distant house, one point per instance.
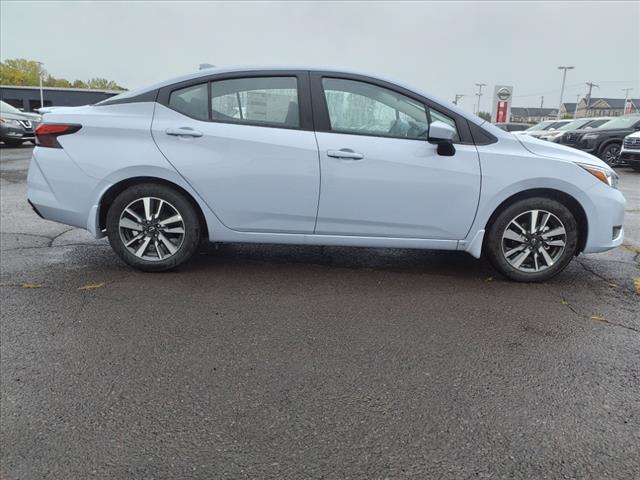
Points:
(28, 98)
(533, 114)
(605, 107)
(568, 109)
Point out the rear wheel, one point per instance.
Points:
(153, 227)
(532, 240)
(610, 154)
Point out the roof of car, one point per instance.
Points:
(252, 68)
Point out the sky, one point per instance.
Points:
(442, 47)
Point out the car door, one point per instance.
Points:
(380, 175)
(245, 143)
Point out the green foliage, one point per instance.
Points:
(20, 71)
(485, 116)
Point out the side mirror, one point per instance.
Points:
(442, 135)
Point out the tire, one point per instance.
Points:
(610, 154)
(13, 143)
(153, 227)
(506, 244)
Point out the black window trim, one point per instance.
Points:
(304, 97)
(321, 111)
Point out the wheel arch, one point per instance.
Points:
(564, 198)
(117, 188)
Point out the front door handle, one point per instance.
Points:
(345, 153)
(183, 132)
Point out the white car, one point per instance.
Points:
(543, 128)
(315, 156)
(630, 151)
(579, 123)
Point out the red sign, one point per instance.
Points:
(501, 112)
(627, 107)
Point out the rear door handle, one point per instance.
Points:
(345, 153)
(183, 132)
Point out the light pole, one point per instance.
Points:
(479, 95)
(575, 110)
(458, 98)
(40, 64)
(564, 78)
(626, 97)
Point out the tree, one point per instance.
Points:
(20, 71)
(485, 116)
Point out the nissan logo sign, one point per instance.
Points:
(504, 94)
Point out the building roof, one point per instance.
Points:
(63, 89)
(569, 106)
(533, 111)
(617, 103)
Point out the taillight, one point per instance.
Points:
(47, 133)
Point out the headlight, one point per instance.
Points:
(604, 175)
(10, 122)
(591, 136)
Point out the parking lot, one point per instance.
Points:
(302, 362)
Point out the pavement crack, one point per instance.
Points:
(54, 238)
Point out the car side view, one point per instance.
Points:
(314, 156)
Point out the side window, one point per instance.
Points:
(269, 101)
(359, 107)
(191, 101)
(436, 115)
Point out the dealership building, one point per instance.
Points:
(28, 98)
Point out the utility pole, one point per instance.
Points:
(40, 76)
(626, 97)
(575, 111)
(479, 95)
(542, 102)
(590, 85)
(458, 97)
(564, 79)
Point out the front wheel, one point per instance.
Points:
(153, 227)
(532, 240)
(611, 154)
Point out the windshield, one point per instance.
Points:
(542, 125)
(621, 122)
(576, 124)
(5, 107)
(598, 123)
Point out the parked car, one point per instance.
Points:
(513, 127)
(16, 127)
(630, 152)
(542, 128)
(605, 141)
(580, 123)
(316, 157)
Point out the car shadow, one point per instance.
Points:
(354, 258)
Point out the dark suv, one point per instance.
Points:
(603, 142)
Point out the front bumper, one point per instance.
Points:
(630, 156)
(605, 219)
(16, 133)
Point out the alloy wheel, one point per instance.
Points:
(151, 229)
(611, 154)
(534, 241)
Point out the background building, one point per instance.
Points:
(606, 107)
(532, 115)
(28, 98)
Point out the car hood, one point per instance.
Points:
(543, 148)
(21, 116)
(613, 131)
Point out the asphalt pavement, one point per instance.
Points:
(300, 362)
